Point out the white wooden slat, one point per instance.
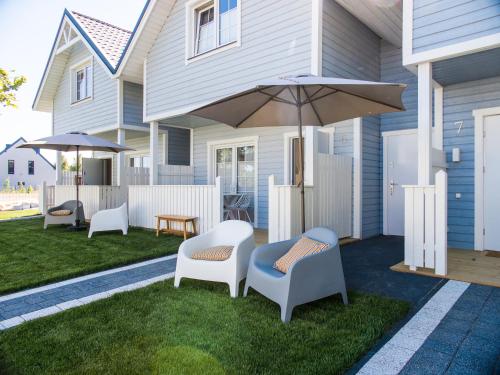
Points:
(429, 240)
(418, 230)
(441, 223)
(409, 228)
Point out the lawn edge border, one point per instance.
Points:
(51, 310)
(58, 284)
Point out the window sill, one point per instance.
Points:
(81, 101)
(211, 52)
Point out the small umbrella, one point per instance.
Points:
(303, 100)
(75, 141)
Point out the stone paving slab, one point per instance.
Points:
(467, 339)
(48, 300)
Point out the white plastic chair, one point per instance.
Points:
(231, 271)
(112, 219)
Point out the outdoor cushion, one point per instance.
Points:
(60, 213)
(303, 247)
(217, 253)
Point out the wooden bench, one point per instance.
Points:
(170, 219)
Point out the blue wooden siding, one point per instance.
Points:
(275, 41)
(179, 151)
(101, 111)
(438, 23)
(372, 198)
(350, 49)
(392, 70)
(459, 102)
(132, 103)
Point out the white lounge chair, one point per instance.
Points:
(231, 271)
(112, 219)
(69, 217)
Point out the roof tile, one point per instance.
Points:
(111, 40)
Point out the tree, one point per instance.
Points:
(8, 88)
(6, 185)
(65, 164)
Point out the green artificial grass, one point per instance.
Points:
(4, 215)
(198, 329)
(31, 256)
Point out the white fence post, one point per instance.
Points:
(218, 201)
(42, 197)
(272, 211)
(441, 223)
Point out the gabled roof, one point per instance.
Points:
(105, 41)
(22, 140)
(110, 40)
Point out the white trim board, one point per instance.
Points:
(317, 37)
(479, 117)
(440, 53)
(357, 175)
(385, 135)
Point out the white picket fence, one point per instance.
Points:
(426, 225)
(137, 176)
(19, 197)
(67, 178)
(93, 197)
(327, 204)
(167, 175)
(175, 175)
(203, 201)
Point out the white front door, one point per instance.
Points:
(400, 168)
(235, 164)
(491, 183)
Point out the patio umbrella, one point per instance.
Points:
(75, 141)
(303, 100)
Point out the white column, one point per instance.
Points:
(153, 152)
(424, 123)
(310, 152)
(357, 217)
(438, 118)
(59, 168)
(121, 178)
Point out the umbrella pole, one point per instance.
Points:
(77, 221)
(301, 170)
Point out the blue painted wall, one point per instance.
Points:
(459, 102)
(437, 23)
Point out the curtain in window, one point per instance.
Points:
(206, 30)
(228, 21)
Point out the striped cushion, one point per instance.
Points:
(217, 253)
(300, 249)
(61, 213)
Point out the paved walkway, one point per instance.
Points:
(47, 300)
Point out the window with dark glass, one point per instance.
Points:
(31, 167)
(11, 166)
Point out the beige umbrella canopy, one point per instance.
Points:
(304, 101)
(75, 141)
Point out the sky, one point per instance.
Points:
(28, 29)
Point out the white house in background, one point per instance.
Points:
(138, 87)
(25, 166)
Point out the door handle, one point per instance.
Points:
(391, 186)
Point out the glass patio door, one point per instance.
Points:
(236, 167)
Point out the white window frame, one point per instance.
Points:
(235, 142)
(192, 9)
(73, 70)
